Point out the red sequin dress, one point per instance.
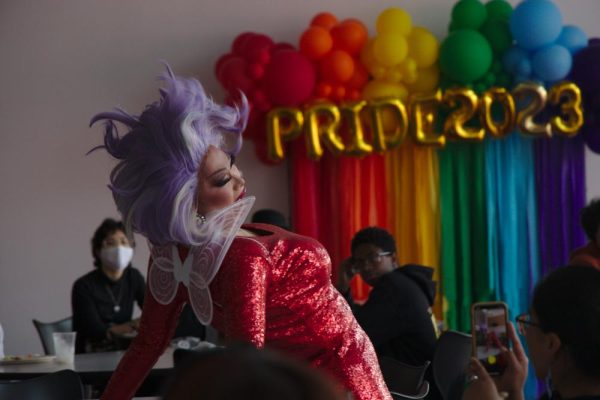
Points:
(272, 290)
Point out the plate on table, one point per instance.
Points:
(26, 359)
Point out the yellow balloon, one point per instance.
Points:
(322, 119)
(380, 89)
(395, 21)
(408, 68)
(507, 124)
(468, 105)
(422, 115)
(423, 47)
(393, 74)
(571, 118)
(283, 124)
(351, 113)
(382, 140)
(426, 80)
(535, 95)
(376, 88)
(390, 49)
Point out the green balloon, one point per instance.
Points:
(465, 56)
(497, 32)
(468, 14)
(499, 9)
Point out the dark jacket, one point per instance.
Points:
(397, 315)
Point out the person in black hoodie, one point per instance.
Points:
(397, 316)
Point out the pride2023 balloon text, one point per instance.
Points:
(341, 128)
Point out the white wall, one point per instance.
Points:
(61, 61)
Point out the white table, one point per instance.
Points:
(94, 369)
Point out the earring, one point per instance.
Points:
(201, 219)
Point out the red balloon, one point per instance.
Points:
(289, 78)
(256, 48)
(240, 41)
(256, 71)
(222, 60)
(232, 75)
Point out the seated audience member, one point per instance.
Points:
(272, 217)
(590, 221)
(397, 316)
(102, 300)
(562, 331)
(250, 374)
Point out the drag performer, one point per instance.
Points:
(177, 184)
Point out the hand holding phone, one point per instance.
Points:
(490, 335)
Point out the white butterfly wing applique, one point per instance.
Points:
(202, 263)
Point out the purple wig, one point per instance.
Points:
(155, 183)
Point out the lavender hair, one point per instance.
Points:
(155, 182)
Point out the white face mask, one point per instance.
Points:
(117, 257)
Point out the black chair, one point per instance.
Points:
(450, 361)
(404, 381)
(61, 385)
(46, 329)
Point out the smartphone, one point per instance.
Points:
(489, 334)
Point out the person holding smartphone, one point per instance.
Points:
(562, 331)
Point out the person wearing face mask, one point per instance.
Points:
(177, 183)
(562, 331)
(102, 300)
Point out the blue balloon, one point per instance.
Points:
(552, 63)
(512, 58)
(535, 23)
(573, 38)
(523, 68)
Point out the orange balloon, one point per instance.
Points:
(360, 77)
(325, 20)
(337, 66)
(324, 89)
(339, 92)
(351, 36)
(315, 42)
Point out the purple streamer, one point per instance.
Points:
(560, 181)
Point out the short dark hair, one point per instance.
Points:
(375, 236)
(567, 302)
(590, 218)
(270, 216)
(106, 228)
(244, 372)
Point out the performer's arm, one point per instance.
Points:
(245, 311)
(157, 326)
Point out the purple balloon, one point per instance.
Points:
(586, 67)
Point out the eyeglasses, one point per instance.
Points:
(523, 321)
(373, 258)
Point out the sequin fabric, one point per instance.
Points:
(275, 291)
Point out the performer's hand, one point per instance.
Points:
(346, 272)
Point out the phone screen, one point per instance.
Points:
(490, 335)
